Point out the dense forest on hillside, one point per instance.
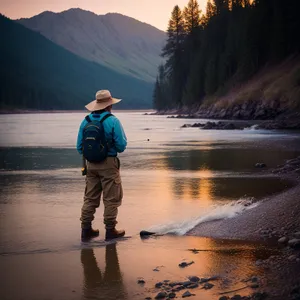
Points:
(38, 74)
(209, 54)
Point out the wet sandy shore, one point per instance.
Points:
(275, 217)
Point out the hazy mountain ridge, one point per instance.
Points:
(114, 40)
(38, 74)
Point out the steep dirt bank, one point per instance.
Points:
(272, 93)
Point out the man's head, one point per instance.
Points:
(103, 100)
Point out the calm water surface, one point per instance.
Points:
(174, 181)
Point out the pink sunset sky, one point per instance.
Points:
(154, 12)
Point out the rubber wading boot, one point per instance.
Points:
(114, 234)
(89, 233)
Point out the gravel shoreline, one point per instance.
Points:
(275, 220)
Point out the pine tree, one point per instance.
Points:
(173, 51)
(160, 98)
(191, 16)
(211, 10)
(176, 35)
(222, 5)
(156, 95)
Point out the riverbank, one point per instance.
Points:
(33, 111)
(285, 121)
(275, 220)
(273, 93)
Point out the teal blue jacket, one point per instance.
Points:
(114, 133)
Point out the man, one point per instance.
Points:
(103, 177)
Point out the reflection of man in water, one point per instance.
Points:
(102, 286)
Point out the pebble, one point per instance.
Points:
(193, 286)
(254, 279)
(208, 286)
(223, 298)
(187, 294)
(297, 235)
(294, 243)
(148, 298)
(292, 257)
(161, 295)
(158, 285)
(172, 284)
(194, 278)
(185, 264)
(254, 285)
(141, 281)
(172, 295)
(179, 288)
(186, 283)
(202, 280)
(283, 240)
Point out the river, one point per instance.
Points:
(173, 179)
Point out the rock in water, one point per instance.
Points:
(145, 233)
(141, 281)
(229, 126)
(185, 264)
(161, 295)
(187, 294)
(260, 165)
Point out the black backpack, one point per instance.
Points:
(94, 145)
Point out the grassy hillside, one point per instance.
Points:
(38, 74)
(273, 91)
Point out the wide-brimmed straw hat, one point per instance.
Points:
(103, 99)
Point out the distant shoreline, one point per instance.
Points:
(19, 112)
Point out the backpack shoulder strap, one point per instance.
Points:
(105, 117)
(88, 119)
